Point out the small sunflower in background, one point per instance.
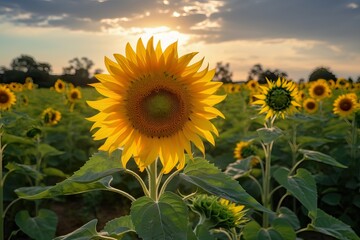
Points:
(252, 85)
(310, 105)
(156, 104)
(74, 94)
(319, 89)
(332, 84)
(342, 83)
(50, 116)
(60, 86)
(7, 98)
(24, 100)
(345, 105)
(220, 213)
(244, 150)
(278, 98)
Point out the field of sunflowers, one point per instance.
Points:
(280, 160)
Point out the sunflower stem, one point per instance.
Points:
(167, 181)
(152, 172)
(266, 197)
(139, 179)
(1, 192)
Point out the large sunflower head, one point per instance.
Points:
(155, 105)
(74, 94)
(319, 89)
(50, 116)
(7, 98)
(60, 86)
(310, 105)
(345, 105)
(278, 98)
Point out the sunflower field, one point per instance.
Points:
(164, 160)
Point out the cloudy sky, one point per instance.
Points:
(294, 36)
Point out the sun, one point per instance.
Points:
(164, 34)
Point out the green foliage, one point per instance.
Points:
(302, 185)
(208, 177)
(40, 227)
(163, 219)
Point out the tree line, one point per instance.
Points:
(78, 72)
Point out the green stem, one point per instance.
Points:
(266, 197)
(141, 182)
(125, 194)
(8, 206)
(281, 200)
(296, 165)
(1, 193)
(266, 183)
(152, 172)
(167, 181)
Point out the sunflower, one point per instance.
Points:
(252, 85)
(342, 83)
(7, 98)
(310, 105)
(74, 94)
(156, 104)
(244, 150)
(221, 213)
(59, 86)
(319, 89)
(51, 117)
(278, 98)
(332, 84)
(345, 105)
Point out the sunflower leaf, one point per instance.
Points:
(85, 232)
(208, 177)
(268, 135)
(302, 186)
(119, 226)
(320, 157)
(100, 165)
(41, 227)
(166, 218)
(331, 226)
(66, 187)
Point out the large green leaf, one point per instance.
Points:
(100, 165)
(279, 230)
(94, 175)
(208, 177)
(320, 157)
(13, 139)
(28, 170)
(239, 168)
(302, 186)
(267, 135)
(46, 150)
(40, 227)
(66, 187)
(290, 216)
(119, 226)
(85, 232)
(166, 218)
(329, 225)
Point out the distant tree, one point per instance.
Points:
(44, 67)
(79, 67)
(358, 79)
(258, 73)
(255, 72)
(3, 69)
(223, 73)
(322, 73)
(24, 63)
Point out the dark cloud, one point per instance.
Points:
(326, 20)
